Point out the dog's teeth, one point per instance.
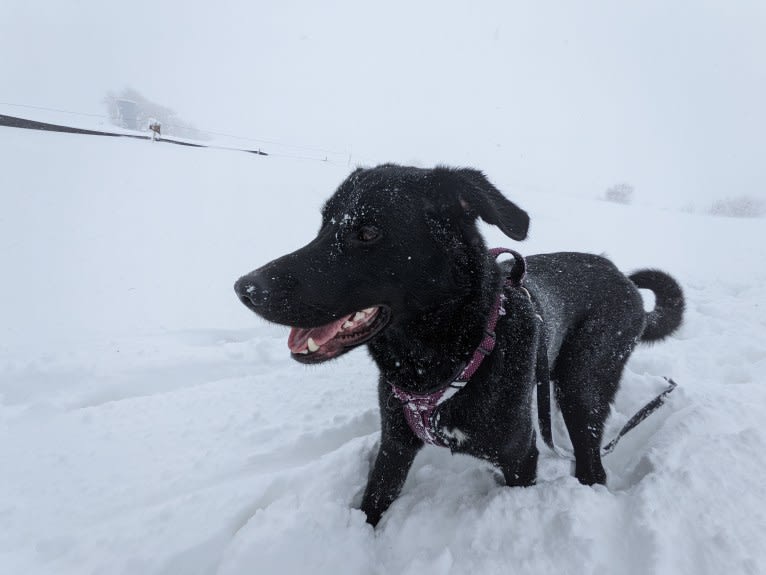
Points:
(304, 352)
(312, 345)
(348, 324)
(359, 316)
(369, 310)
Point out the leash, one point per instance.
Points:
(640, 415)
(544, 406)
(637, 418)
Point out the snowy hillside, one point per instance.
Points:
(150, 424)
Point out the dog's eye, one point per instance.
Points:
(367, 233)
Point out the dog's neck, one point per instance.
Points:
(427, 351)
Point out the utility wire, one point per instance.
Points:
(14, 122)
(53, 110)
(189, 127)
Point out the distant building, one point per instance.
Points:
(127, 113)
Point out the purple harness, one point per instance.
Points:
(419, 408)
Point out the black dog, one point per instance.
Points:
(399, 265)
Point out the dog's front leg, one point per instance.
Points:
(398, 448)
(387, 478)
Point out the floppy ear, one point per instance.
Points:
(479, 196)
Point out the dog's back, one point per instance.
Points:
(576, 288)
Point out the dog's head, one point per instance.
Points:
(395, 243)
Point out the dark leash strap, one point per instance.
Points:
(515, 279)
(640, 415)
(543, 377)
(544, 405)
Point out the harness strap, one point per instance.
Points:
(518, 271)
(420, 408)
(419, 411)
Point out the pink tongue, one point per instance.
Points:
(299, 337)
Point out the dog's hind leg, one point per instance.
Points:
(586, 376)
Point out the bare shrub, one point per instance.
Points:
(739, 207)
(620, 193)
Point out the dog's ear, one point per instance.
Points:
(478, 196)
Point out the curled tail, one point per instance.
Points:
(668, 310)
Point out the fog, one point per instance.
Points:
(556, 96)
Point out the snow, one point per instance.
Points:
(150, 424)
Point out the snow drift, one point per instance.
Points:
(149, 424)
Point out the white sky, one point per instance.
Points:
(563, 96)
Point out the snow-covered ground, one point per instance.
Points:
(149, 424)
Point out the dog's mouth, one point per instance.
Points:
(318, 344)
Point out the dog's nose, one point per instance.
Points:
(251, 290)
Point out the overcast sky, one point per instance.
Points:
(558, 96)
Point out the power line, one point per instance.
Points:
(263, 141)
(23, 123)
(189, 127)
(53, 110)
